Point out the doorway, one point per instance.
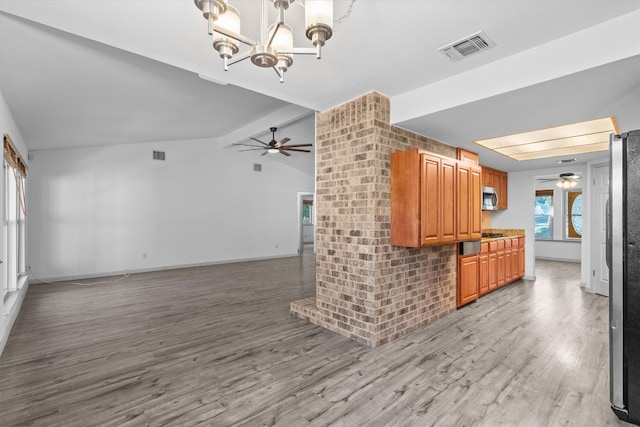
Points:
(306, 222)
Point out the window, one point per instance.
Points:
(13, 219)
(544, 214)
(573, 217)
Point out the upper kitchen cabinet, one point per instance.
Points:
(469, 196)
(467, 156)
(498, 180)
(433, 199)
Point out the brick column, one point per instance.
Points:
(367, 289)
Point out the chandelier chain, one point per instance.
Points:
(343, 17)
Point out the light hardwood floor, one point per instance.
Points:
(216, 346)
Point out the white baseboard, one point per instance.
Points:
(39, 280)
(559, 259)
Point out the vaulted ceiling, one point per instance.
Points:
(88, 73)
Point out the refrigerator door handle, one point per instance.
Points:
(608, 235)
(617, 171)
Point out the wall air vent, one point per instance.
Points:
(469, 45)
(158, 155)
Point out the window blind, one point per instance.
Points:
(16, 161)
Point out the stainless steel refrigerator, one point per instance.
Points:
(623, 259)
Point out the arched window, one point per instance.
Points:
(574, 214)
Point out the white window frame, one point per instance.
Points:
(14, 269)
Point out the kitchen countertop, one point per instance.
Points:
(508, 233)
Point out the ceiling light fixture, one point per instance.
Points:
(584, 137)
(566, 183)
(275, 48)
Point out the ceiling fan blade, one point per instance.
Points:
(257, 140)
(265, 153)
(253, 149)
(296, 149)
(285, 153)
(245, 145)
(283, 141)
(297, 145)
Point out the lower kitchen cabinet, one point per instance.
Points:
(499, 263)
(468, 273)
(500, 257)
(507, 261)
(493, 271)
(515, 258)
(483, 267)
(521, 256)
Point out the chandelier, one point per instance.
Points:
(275, 47)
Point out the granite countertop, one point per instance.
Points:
(507, 233)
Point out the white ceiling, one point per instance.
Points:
(87, 73)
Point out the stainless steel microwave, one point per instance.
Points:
(489, 199)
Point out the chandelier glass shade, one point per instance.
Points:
(275, 48)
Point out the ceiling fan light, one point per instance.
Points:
(273, 150)
(566, 183)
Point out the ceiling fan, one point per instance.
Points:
(274, 146)
(564, 180)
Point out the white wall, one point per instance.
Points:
(106, 210)
(522, 187)
(11, 305)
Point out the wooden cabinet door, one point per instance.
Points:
(475, 207)
(515, 271)
(487, 177)
(448, 200)
(464, 203)
(430, 206)
(493, 270)
(405, 199)
(503, 190)
(483, 274)
(501, 272)
(466, 156)
(467, 279)
(521, 261)
(507, 266)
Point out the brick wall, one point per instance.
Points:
(367, 289)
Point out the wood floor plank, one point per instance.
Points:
(216, 346)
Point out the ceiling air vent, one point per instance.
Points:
(563, 161)
(257, 167)
(467, 46)
(158, 155)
